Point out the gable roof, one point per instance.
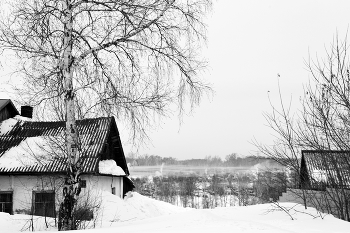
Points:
(93, 135)
(11, 106)
(330, 167)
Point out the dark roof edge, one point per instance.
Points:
(32, 173)
(6, 103)
(121, 146)
(128, 180)
(78, 121)
(103, 146)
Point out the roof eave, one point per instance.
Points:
(114, 123)
(9, 101)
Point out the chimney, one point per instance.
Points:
(27, 111)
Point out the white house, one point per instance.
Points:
(33, 163)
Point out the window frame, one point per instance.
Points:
(34, 202)
(8, 192)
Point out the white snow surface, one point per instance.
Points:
(137, 213)
(319, 175)
(7, 125)
(133, 207)
(22, 118)
(110, 167)
(31, 151)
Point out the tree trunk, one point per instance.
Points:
(72, 188)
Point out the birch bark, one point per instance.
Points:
(72, 190)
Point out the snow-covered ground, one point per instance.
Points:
(141, 214)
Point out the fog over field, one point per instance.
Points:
(166, 170)
(139, 171)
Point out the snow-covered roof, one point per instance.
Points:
(7, 125)
(27, 146)
(30, 152)
(327, 166)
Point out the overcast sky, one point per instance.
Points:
(249, 44)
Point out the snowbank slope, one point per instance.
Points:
(141, 214)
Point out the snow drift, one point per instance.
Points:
(137, 213)
(110, 167)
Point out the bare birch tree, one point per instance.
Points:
(132, 59)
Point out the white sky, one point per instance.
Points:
(250, 42)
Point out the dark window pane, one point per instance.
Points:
(6, 202)
(38, 197)
(5, 197)
(39, 209)
(44, 204)
(48, 197)
(9, 197)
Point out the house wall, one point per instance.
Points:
(22, 188)
(104, 183)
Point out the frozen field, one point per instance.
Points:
(139, 171)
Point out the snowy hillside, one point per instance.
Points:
(141, 214)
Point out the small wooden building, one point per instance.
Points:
(7, 109)
(324, 182)
(321, 169)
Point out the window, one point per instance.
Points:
(6, 202)
(44, 203)
(83, 183)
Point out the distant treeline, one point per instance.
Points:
(230, 160)
(210, 191)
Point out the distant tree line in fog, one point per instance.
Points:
(218, 190)
(230, 160)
